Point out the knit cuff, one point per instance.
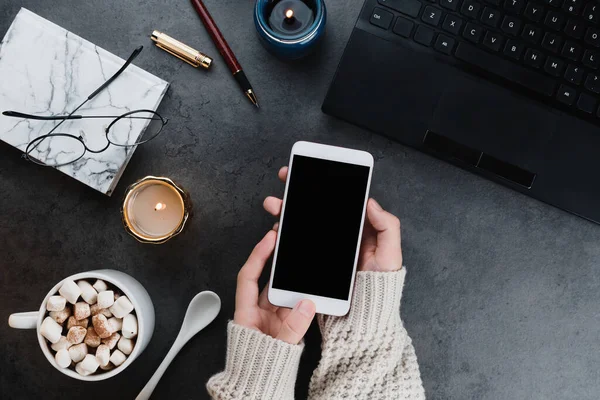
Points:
(257, 367)
(375, 304)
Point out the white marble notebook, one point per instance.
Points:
(45, 70)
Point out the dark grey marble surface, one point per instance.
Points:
(502, 294)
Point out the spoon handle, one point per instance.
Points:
(149, 388)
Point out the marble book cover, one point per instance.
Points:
(47, 70)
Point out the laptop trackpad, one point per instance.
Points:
(495, 121)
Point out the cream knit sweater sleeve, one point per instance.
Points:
(366, 354)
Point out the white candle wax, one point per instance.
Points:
(155, 209)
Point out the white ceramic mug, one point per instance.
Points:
(136, 293)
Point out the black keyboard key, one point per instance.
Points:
(493, 41)
(573, 7)
(452, 24)
(574, 28)
(403, 27)
(571, 50)
(592, 36)
(444, 44)
(514, 6)
(511, 25)
(514, 49)
(532, 34)
(554, 20)
(424, 35)
(505, 69)
(591, 59)
(554, 66)
(586, 103)
(592, 83)
(574, 74)
(432, 16)
(591, 12)
(494, 2)
(473, 32)
(408, 7)
(470, 9)
(552, 42)
(490, 17)
(449, 4)
(381, 18)
(534, 58)
(534, 12)
(554, 3)
(566, 95)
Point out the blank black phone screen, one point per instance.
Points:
(320, 227)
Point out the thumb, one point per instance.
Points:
(387, 229)
(296, 324)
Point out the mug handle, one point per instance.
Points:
(24, 320)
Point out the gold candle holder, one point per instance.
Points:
(155, 209)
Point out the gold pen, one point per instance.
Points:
(180, 50)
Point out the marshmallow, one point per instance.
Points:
(106, 367)
(70, 291)
(100, 286)
(91, 338)
(95, 309)
(63, 359)
(62, 315)
(81, 371)
(78, 352)
(76, 334)
(106, 299)
(121, 307)
(89, 364)
(81, 310)
(112, 340)
(125, 345)
(73, 322)
(103, 355)
(56, 303)
(101, 326)
(117, 358)
(129, 328)
(63, 343)
(51, 330)
(115, 324)
(88, 293)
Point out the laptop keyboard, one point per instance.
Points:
(550, 47)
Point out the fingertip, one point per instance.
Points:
(283, 171)
(307, 308)
(272, 205)
(375, 205)
(267, 243)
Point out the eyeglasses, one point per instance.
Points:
(56, 149)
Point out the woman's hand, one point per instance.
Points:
(380, 249)
(254, 311)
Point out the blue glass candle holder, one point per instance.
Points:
(297, 35)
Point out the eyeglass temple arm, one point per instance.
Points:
(17, 114)
(132, 57)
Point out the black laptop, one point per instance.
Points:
(509, 89)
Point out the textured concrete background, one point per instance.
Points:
(502, 295)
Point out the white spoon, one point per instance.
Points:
(203, 309)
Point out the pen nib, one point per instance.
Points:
(252, 97)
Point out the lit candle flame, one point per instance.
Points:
(160, 206)
(289, 13)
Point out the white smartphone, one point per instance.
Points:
(320, 228)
